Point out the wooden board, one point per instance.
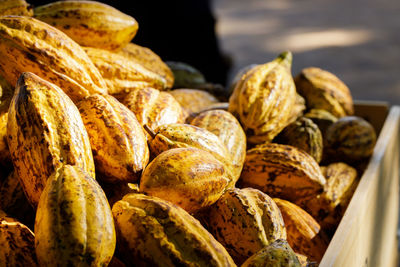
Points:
(367, 234)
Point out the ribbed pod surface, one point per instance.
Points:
(109, 122)
(245, 221)
(29, 45)
(44, 131)
(189, 177)
(228, 129)
(263, 99)
(154, 232)
(74, 225)
(282, 171)
(123, 74)
(90, 23)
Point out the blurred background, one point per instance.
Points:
(358, 40)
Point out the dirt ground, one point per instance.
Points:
(357, 40)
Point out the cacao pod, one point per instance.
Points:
(282, 171)
(155, 232)
(117, 139)
(224, 125)
(263, 99)
(89, 23)
(350, 139)
(323, 90)
(44, 131)
(244, 221)
(305, 135)
(276, 254)
(176, 135)
(74, 224)
(188, 177)
(149, 60)
(193, 100)
(154, 108)
(29, 45)
(304, 234)
(122, 74)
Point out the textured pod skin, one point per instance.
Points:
(90, 23)
(329, 207)
(244, 221)
(303, 232)
(15, 7)
(322, 118)
(228, 129)
(44, 131)
(74, 224)
(149, 60)
(263, 99)
(29, 45)
(303, 134)
(188, 177)
(17, 243)
(155, 232)
(154, 108)
(193, 100)
(297, 109)
(117, 139)
(176, 135)
(282, 171)
(276, 254)
(350, 139)
(122, 73)
(116, 192)
(323, 90)
(13, 200)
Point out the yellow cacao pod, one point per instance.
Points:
(304, 234)
(44, 131)
(193, 100)
(123, 74)
(228, 129)
(323, 90)
(244, 221)
(278, 254)
(263, 99)
(328, 208)
(154, 108)
(117, 139)
(188, 177)
(15, 7)
(74, 224)
(155, 232)
(176, 135)
(149, 60)
(29, 45)
(89, 23)
(282, 171)
(17, 243)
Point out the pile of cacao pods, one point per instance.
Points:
(113, 157)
